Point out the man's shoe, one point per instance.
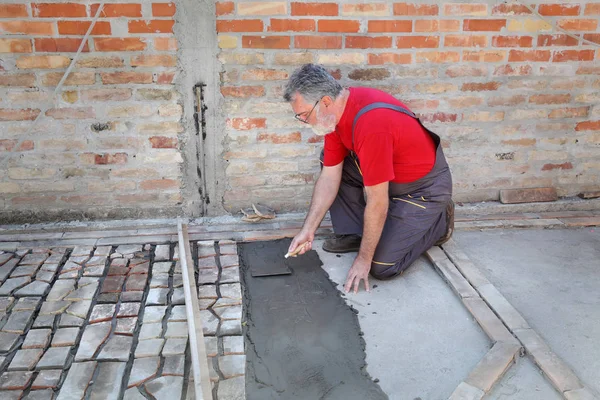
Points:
(342, 244)
(449, 224)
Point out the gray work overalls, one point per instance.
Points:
(417, 210)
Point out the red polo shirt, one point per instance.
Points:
(391, 146)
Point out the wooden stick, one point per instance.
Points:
(295, 252)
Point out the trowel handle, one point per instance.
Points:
(295, 252)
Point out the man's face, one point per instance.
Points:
(317, 114)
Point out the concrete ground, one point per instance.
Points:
(422, 342)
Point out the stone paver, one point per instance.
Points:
(464, 391)
(126, 326)
(54, 357)
(208, 275)
(232, 366)
(230, 275)
(60, 289)
(118, 347)
(162, 252)
(162, 267)
(5, 303)
(157, 297)
(174, 365)
(227, 303)
(154, 314)
(149, 348)
(27, 303)
(54, 307)
(11, 285)
(93, 336)
(493, 365)
(129, 310)
(226, 313)
(45, 276)
(229, 261)
(178, 313)
(25, 359)
(86, 292)
(18, 321)
(178, 297)
(230, 327)
(67, 321)
(211, 345)
(109, 381)
(232, 389)
(177, 329)
(209, 322)
(36, 288)
(165, 387)
(47, 379)
(80, 308)
(102, 312)
(24, 270)
(143, 369)
(174, 346)
(159, 281)
(43, 394)
(65, 337)
(15, 380)
(151, 331)
(133, 394)
(44, 321)
(78, 379)
(37, 339)
(233, 345)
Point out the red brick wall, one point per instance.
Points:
(110, 140)
(514, 98)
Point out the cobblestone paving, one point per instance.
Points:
(105, 322)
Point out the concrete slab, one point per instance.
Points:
(524, 381)
(552, 277)
(421, 342)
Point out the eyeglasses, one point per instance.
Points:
(305, 120)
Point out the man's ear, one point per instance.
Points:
(327, 101)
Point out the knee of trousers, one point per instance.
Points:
(383, 272)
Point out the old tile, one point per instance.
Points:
(134, 297)
(207, 276)
(47, 379)
(116, 270)
(142, 268)
(49, 267)
(11, 285)
(159, 281)
(69, 275)
(108, 382)
(7, 268)
(55, 258)
(126, 326)
(95, 270)
(143, 369)
(178, 314)
(157, 297)
(86, 292)
(136, 282)
(230, 327)
(7, 341)
(34, 259)
(82, 251)
(55, 357)
(44, 321)
(212, 372)
(18, 321)
(93, 336)
(15, 380)
(133, 394)
(231, 291)
(103, 251)
(4, 257)
(25, 360)
(96, 260)
(493, 365)
(24, 270)
(161, 267)
(5, 303)
(119, 262)
(27, 303)
(177, 280)
(149, 348)
(232, 389)
(150, 331)
(165, 387)
(226, 303)
(60, 289)
(174, 365)
(225, 313)
(113, 284)
(177, 329)
(37, 339)
(102, 312)
(211, 345)
(154, 314)
(178, 296)
(233, 345)
(176, 253)
(229, 261)
(108, 298)
(511, 317)
(204, 304)
(54, 307)
(45, 276)
(128, 310)
(580, 394)
(207, 263)
(118, 347)
(70, 266)
(162, 252)
(67, 320)
(230, 275)
(209, 322)
(43, 394)
(174, 346)
(128, 248)
(139, 259)
(232, 366)
(80, 308)
(65, 337)
(464, 391)
(77, 381)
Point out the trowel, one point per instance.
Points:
(276, 268)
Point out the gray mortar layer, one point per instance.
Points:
(302, 340)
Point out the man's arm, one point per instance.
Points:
(324, 193)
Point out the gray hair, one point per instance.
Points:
(313, 82)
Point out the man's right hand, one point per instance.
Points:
(299, 239)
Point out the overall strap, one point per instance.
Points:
(373, 106)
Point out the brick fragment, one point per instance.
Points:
(291, 25)
(381, 26)
(390, 58)
(13, 10)
(266, 42)
(415, 9)
(339, 25)
(62, 45)
(559, 10)
(530, 195)
(81, 28)
(58, 10)
(318, 42)
(151, 26)
(417, 42)
(482, 25)
(119, 44)
(15, 46)
(163, 9)
(314, 9)
(240, 25)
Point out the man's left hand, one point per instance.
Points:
(359, 271)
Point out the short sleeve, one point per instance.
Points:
(334, 150)
(375, 151)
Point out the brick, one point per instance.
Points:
(529, 55)
(130, 111)
(588, 126)
(243, 124)
(366, 42)
(482, 25)
(339, 26)
(592, 37)
(224, 8)
(58, 10)
(417, 42)
(10, 114)
(415, 9)
(464, 102)
(264, 74)
(339, 59)
(533, 195)
(26, 80)
(126, 77)
(74, 78)
(27, 27)
(163, 142)
(512, 41)
(9, 144)
(119, 44)
(160, 128)
(435, 87)
(256, 58)
(240, 25)
(63, 45)
(165, 44)
(100, 62)
(592, 9)
(163, 9)
(366, 9)
(15, 46)
(578, 24)
(509, 70)
(151, 26)
(117, 10)
(71, 113)
(106, 94)
(484, 116)
(389, 58)
(165, 78)
(573, 55)
(13, 10)
(381, 26)
(291, 25)
(529, 25)
(159, 184)
(454, 71)
(464, 391)
(438, 117)
(81, 28)
(294, 137)
(242, 91)
(318, 42)
(262, 8)
(266, 42)
(227, 42)
(465, 41)
(520, 142)
(484, 56)
(438, 56)
(510, 9)
(551, 167)
(155, 94)
(477, 9)
(153, 61)
(493, 365)
(550, 98)
(557, 40)
(425, 25)
(42, 62)
(559, 10)
(569, 112)
(315, 9)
